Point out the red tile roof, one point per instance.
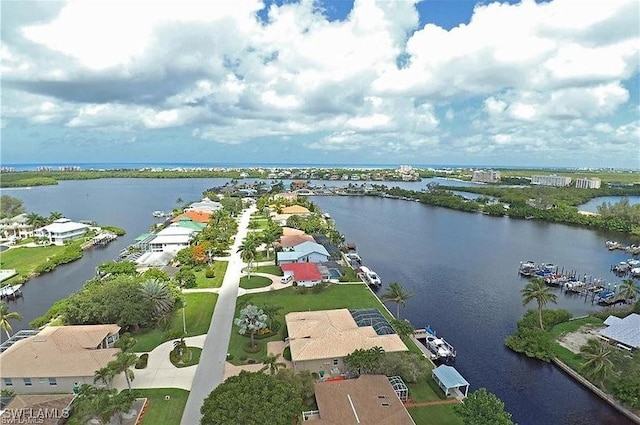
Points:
(200, 217)
(303, 271)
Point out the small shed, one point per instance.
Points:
(448, 378)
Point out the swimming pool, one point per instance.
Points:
(335, 273)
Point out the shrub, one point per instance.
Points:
(316, 289)
(249, 349)
(251, 361)
(286, 353)
(142, 361)
(243, 358)
(302, 290)
(210, 273)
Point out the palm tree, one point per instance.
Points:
(6, 316)
(538, 290)
(270, 235)
(272, 311)
(35, 220)
(248, 252)
(159, 297)
(123, 364)
(104, 375)
(54, 215)
(628, 289)
(251, 320)
(597, 366)
(126, 343)
(179, 345)
(398, 295)
(272, 364)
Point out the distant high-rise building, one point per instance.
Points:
(482, 176)
(552, 180)
(588, 183)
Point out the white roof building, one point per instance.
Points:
(624, 331)
(172, 239)
(206, 205)
(61, 230)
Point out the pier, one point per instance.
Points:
(102, 239)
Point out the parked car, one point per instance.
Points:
(286, 279)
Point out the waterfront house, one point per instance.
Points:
(187, 223)
(15, 227)
(205, 205)
(367, 400)
(197, 216)
(320, 340)
(42, 409)
(306, 252)
(58, 358)
(296, 210)
(304, 274)
(172, 239)
(61, 231)
(287, 242)
(625, 332)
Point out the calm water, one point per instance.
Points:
(592, 205)
(461, 267)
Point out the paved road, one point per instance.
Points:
(210, 370)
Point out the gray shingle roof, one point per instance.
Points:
(625, 331)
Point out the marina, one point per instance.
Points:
(631, 249)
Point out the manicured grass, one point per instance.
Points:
(422, 392)
(197, 317)
(274, 270)
(254, 282)
(441, 414)
(335, 296)
(220, 268)
(191, 357)
(573, 325)
(260, 223)
(161, 411)
(24, 260)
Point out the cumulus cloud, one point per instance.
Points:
(514, 73)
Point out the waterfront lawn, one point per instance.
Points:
(25, 260)
(425, 391)
(220, 268)
(290, 299)
(161, 411)
(441, 414)
(573, 360)
(274, 270)
(197, 317)
(254, 282)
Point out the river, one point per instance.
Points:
(461, 267)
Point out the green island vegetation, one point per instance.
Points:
(538, 335)
(540, 203)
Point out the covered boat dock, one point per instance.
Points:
(451, 382)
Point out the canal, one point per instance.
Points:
(462, 268)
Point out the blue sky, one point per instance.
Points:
(509, 83)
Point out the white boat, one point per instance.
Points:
(11, 291)
(158, 213)
(370, 276)
(440, 348)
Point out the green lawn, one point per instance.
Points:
(574, 361)
(442, 414)
(191, 357)
(24, 260)
(220, 268)
(161, 411)
(335, 296)
(254, 282)
(260, 223)
(423, 392)
(274, 270)
(197, 317)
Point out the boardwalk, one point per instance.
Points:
(210, 370)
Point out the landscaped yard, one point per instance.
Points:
(189, 358)
(572, 359)
(197, 317)
(275, 270)
(24, 260)
(420, 393)
(442, 414)
(161, 411)
(260, 223)
(220, 268)
(335, 296)
(253, 282)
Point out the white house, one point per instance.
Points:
(206, 206)
(171, 239)
(61, 231)
(16, 227)
(306, 252)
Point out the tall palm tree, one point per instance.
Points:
(272, 312)
(123, 364)
(272, 364)
(159, 297)
(628, 289)
(598, 365)
(271, 234)
(248, 252)
(539, 291)
(6, 316)
(35, 220)
(54, 215)
(398, 295)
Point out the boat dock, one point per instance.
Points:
(631, 249)
(101, 239)
(11, 292)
